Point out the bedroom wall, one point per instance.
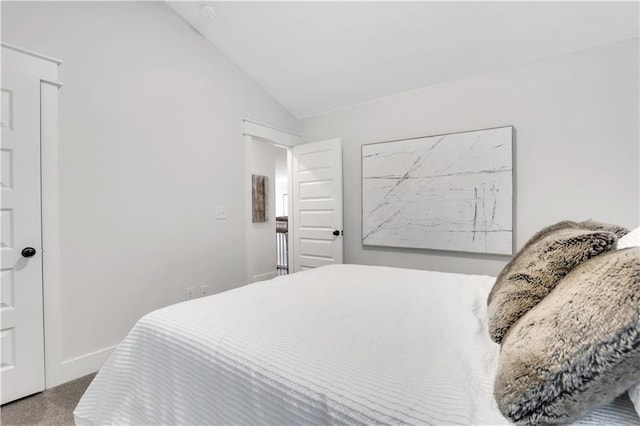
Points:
(150, 143)
(576, 144)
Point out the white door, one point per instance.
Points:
(317, 204)
(21, 334)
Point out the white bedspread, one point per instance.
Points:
(342, 344)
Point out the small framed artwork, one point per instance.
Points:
(259, 187)
(444, 192)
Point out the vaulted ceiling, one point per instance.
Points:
(314, 57)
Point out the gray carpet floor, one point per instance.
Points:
(52, 407)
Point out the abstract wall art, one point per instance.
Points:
(445, 192)
(259, 198)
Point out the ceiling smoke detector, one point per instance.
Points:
(208, 12)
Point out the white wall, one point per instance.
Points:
(576, 144)
(282, 182)
(150, 143)
(261, 241)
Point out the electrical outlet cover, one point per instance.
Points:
(191, 293)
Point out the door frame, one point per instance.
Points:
(46, 68)
(255, 131)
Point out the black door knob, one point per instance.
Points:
(336, 232)
(28, 252)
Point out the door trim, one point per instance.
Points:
(273, 134)
(50, 234)
(32, 53)
(254, 130)
(46, 68)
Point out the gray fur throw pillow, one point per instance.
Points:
(536, 269)
(577, 349)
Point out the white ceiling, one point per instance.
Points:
(314, 57)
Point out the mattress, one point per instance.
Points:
(342, 344)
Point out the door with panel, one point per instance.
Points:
(317, 204)
(21, 306)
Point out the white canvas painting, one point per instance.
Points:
(447, 192)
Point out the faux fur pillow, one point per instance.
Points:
(536, 269)
(620, 231)
(632, 239)
(577, 349)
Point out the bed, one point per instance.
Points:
(341, 344)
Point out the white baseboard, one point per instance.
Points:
(85, 364)
(266, 276)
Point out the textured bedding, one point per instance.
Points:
(342, 344)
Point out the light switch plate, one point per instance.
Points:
(221, 213)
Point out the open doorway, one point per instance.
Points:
(268, 230)
(269, 226)
(314, 188)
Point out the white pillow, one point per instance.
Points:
(632, 239)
